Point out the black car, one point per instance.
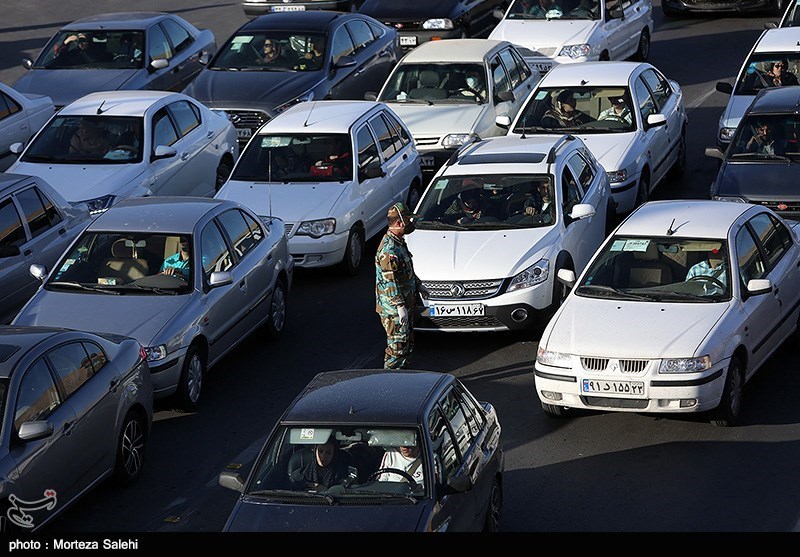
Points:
(280, 59)
(674, 8)
(419, 22)
(762, 162)
(404, 451)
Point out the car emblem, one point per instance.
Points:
(457, 290)
(235, 118)
(614, 367)
(782, 206)
(398, 25)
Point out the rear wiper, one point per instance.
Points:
(292, 493)
(92, 288)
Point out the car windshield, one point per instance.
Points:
(659, 270)
(487, 202)
(78, 49)
(765, 138)
(126, 263)
(271, 51)
(792, 17)
(436, 83)
(3, 397)
(768, 69)
(296, 158)
(555, 9)
(309, 461)
(88, 140)
(584, 109)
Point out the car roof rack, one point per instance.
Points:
(563, 140)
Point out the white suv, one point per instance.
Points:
(330, 170)
(497, 223)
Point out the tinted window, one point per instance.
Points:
(361, 33)
(658, 85)
(159, 46)
(396, 140)
(522, 65)
(37, 397)
(751, 264)
(474, 411)
(458, 422)
(342, 44)
(571, 195)
(377, 30)
(96, 355)
(384, 137)
(365, 145)
(11, 231)
(773, 240)
(179, 36)
(499, 76)
(8, 105)
(446, 459)
(72, 365)
(163, 131)
(238, 232)
(255, 228)
(401, 130)
(214, 252)
(646, 103)
(185, 115)
(34, 210)
(511, 66)
(581, 169)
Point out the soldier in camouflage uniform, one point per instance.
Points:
(396, 288)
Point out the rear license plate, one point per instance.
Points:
(288, 8)
(543, 68)
(427, 160)
(408, 40)
(631, 389)
(243, 133)
(459, 310)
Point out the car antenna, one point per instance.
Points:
(100, 108)
(670, 230)
(310, 110)
(524, 121)
(269, 182)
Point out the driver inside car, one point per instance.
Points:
(179, 264)
(713, 267)
(404, 459)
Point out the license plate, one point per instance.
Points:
(243, 133)
(543, 68)
(631, 389)
(288, 8)
(408, 40)
(427, 160)
(440, 310)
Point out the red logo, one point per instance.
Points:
(782, 206)
(398, 25)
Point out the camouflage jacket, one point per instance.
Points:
(395, 281)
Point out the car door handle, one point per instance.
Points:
(68, 428)
(27, 252)
(210, 134)
(243, 286)
(62, 231)
(405, 156)
(23, 127)
(383, 53)
(185, 156)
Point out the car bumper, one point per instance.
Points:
(254, 9)
(308, 252)
(409, 40)
(165, 376)
(716, 5)
(663, 393)
(431, 160)
(624, 195)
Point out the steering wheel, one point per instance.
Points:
(406, 476)
(469, 90)
(707, 278)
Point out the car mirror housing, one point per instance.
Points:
(16, 148)
(616, 14)
(498, 13)
(459, 483)
(231, 480)
(503, 122)
(38, 272)
(345, 62)
(581, 211)
(205, 58)
(655, 120)
(164, 152)
(715, 153)
(566, 277)
(724, 87)
(219, 278)
(27, 63)
(370, 96)
(373, 170)
(158, 64)
(9, 251)
(34, 430)
(504, 96)
(759, 286)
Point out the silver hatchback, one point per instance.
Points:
(135, 272)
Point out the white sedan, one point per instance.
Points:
(21, 116)
(112, 145)
(629, 114)
(677, 310)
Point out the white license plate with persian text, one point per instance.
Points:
(288, 8)
(631, 389)
(427, 161)
(244, 133)
(408, 40)
(456, 310)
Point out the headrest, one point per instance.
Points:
(428, 78)
(120, 251)
(650, 254)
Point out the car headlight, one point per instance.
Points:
(438, 23)
(726, 134)
(617, 176)
(316, 228)
(305, 97)
(575, 50)
(156, 353)
(455, 140)
(533, 275)
(685, 365)
(99, 204)
(553, 359)
(730, 198)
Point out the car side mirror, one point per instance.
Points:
(205, 58)
(616, 14)
(373, 170)
(759, 286)
(345, 62)
(39, 272)
(159, 64)
(655, 120)
(9, 251)
(498, 13)
(724, 87)
(771, 25)
(581, 211)
(370, 96)
(503, 122)
(231, 480)
(16, 148)
(459, 483)
(504, 96)
(164, 152)
(715, 153)
(566, 277)
(34, 430)
(219, 278)
(27, 63)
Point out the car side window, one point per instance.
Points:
(571, 193)
(97, 357)
(255, 228)
(647, 105)
(377, 30)
(658, 86)
(164, 132)
(40, 216)
(158, 44)
(8, 106)
(238, 231)
(475, 416)
(186, 116)
(214, 251)
(511, 66)
(342, 44)
(38, 396)
(367, 151)
(774, 240)
(72, 366)
(582, 170)
(361, 33)
(458, 422)
(180, 37)
(446, 458)
(524, 69)
(401, 130)
(396, 139)
(499, 76)
(751, 263)
(384, 136)
(11, 231)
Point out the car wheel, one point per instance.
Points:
(492, 523)
(223, 173)
(190, 383)
(277, 311)
(604, 57)
(611, 216)
(643, 52)
(679, 166)
(130, 449)
(730, 404)
(553, 411)
(413, 196)
(643, 191)
(354, 252)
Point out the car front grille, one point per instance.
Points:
(787, 209)
(404, 25)
(288, 227)
(623, 366)
(604, 402)
(463, 290)
(426, 141)
(247, 119)
(463, 321)
(545, 51)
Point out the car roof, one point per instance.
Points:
(776, 99)
(9, 182)
(782, 39)
(514, 154)
(116, 103)
(593, 73)
(702, 218)
(367, 396)
(309, 20)
(174, 215)
(320, 117)
(454, 50)
(121, 20)
(16, 341)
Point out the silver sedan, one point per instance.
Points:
(21, 116)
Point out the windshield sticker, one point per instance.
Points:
(307, 433)
(636, 245)
(540, 96)
(618, 245)
(440, 185)
(242, 39)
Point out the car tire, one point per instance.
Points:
(223, 173)
(130, 449)
(494, 509)
(643, 51)
(276, 322)
(643, 191)
(730, 404)
(190, 384)
(611, 216)
(414, 196)
(554, 411)
(679, 166)
(604, 56)
(354, 253)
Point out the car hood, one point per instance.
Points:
(490, 254)
(64, 86)
(258, 516)
(610, 149)
(542, 34)
(737, 106)
(81, 182)
(621, 328)
(439, 119)
(134, 315)
(290, 202)
(764, 181)
(386, 10)
(262, 89)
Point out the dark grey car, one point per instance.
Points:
(76, 408)
(106, 52)
(36, 226)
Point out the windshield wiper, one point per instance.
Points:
(766, 156)
(610, 292)
(265, 69)
(407, 100)
(426, 224)
(79, 286)
(384, 495)
(156, 289)
(533, 129)
(292, 493)
(673, 295)
(39, 158)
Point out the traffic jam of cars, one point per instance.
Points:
(154, 170)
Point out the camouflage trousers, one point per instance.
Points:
(399, 341)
